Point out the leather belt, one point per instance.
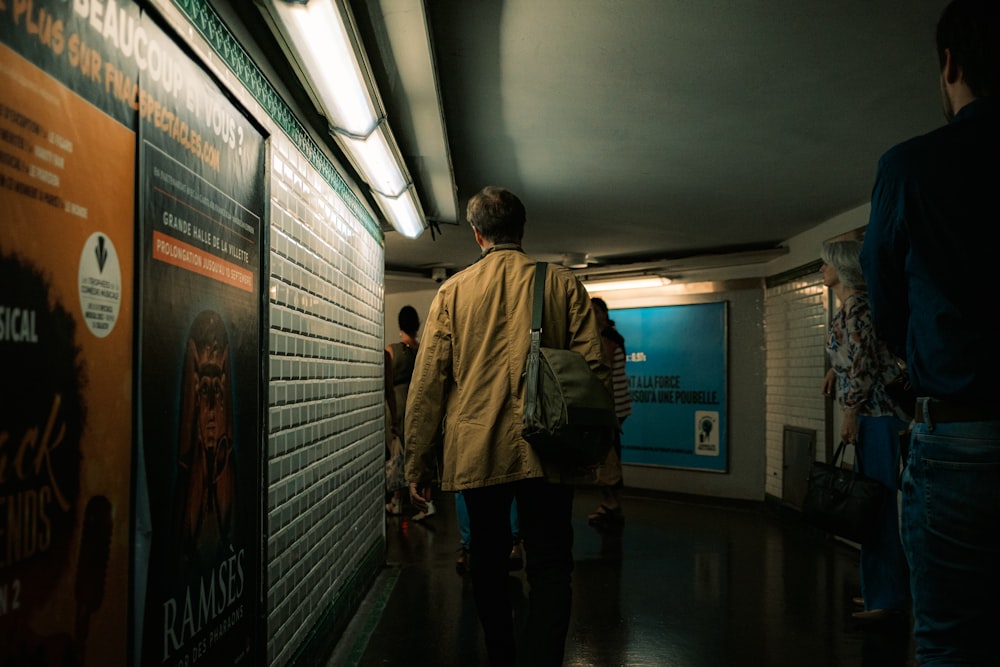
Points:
(942, 411)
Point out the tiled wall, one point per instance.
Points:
(325, 465)
(795, 326)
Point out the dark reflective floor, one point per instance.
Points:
(685, 583)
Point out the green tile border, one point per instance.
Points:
(323, 636)
(207, 22)
(370, 616)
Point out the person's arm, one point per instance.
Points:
(584, 335)
(623, 400)
(390, 392)
(830, 383)
(860, 341)
(883, 259)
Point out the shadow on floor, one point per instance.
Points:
(685, 582)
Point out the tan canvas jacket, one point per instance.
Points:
(468, 374)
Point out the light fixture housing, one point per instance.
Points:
(638, 282)
(321, 41)
(377, 160)
(402, 212)
(575, 260)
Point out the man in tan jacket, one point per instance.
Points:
(468, 382)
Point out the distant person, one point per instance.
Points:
(395, 479)
(609, 476)
(469, 375)
(860, 367)
(401, 357)
(403, 354)
(930, 259)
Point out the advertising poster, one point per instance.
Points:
(676, 367)
(201, 202)
(67, 211)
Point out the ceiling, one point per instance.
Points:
(644, 130)
(636, 130)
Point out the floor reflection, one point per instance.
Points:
(684, 582)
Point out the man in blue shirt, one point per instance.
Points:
(930, 261)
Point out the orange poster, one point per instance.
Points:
(66, 293)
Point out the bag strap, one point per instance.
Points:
(839, 454)
(840, 451)
(531, 371)
(538, 301)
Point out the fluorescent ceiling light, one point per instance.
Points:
(643, 282)
(375, 158)
(320, 39)
(403, 212)
(318, 36)
(407, 33)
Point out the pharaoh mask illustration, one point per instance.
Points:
(207, 471)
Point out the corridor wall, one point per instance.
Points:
(324, 539)
(141, 215)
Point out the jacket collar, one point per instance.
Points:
(502, 246)
(978, 107)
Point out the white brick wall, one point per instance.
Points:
(325, 474)
(795, 326)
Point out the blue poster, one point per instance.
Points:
(676, 367)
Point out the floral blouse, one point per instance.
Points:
(861, 363)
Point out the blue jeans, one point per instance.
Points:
(884, 582)
(951, 509)
(462, 512)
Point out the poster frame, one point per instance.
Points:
(658, 457)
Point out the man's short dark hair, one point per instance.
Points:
(497, 214)
(970, 29)
(409, 321)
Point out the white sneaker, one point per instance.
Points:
(420, 516)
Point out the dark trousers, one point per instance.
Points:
(545, 512)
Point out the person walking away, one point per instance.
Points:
(469, 374)
(395, 477)
(929, 259)
(402, 356)
(609, 476)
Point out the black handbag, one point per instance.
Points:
(843, 501)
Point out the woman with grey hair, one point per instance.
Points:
(860, 365)
(844, 258)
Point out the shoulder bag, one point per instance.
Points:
(569, 415)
